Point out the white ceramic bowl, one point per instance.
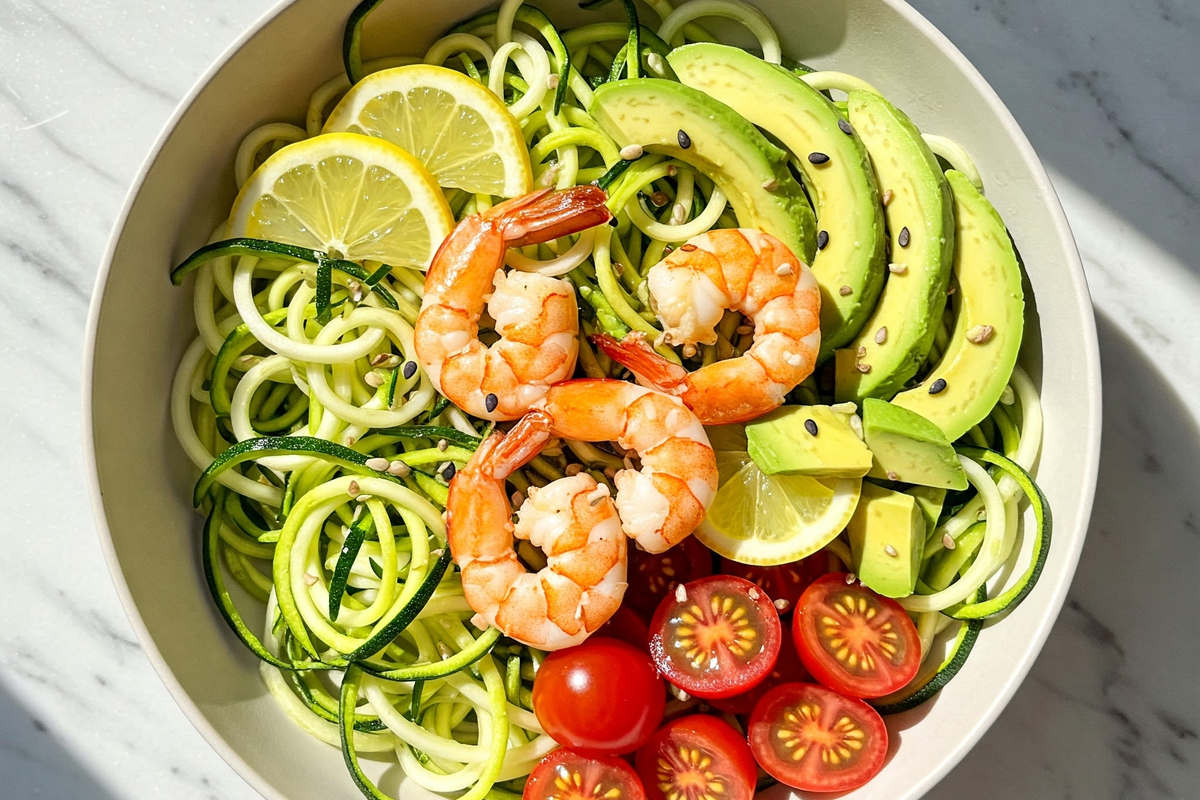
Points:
(140, 325)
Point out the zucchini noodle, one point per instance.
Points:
(326, 451)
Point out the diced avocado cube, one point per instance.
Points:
(930, 500)
(909, 448)
(807, 440)
(887, 538)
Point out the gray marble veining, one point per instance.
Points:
(1107, 92)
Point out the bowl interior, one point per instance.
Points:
(141, 325)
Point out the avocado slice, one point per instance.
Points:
(989, 309)
(909, 448)
(663, 116)
(920, 216)
(807, 440)
(887, 539)
(849, 216)
(930, 501)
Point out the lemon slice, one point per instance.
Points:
(771, 519)
(348, 195)
(454, 125)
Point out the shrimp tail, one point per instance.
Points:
(502, 454)
(652, 370)
(547, 215)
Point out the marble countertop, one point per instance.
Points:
(1107, 91)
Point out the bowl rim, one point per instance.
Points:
(1091, 370)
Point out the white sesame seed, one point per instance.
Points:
(672, 170)
(887, 198)
(897, 269)
(881, 335)
(356, 292)
(948, 542)
(654, 61)
(1008, 396)
(610, 473)
(373, 379)
(892, 476)
(678, 214)
(890, 550)
(783, 269)
(843, 408)
(631, 152)
(362, 498)
(310, 579)
(864, 368)
(378, 359)
(574, 469)
(377, 464)
(352, 489)
(517, 499)
(442, 445)
(980, 334)
(681, 593)
(782, 604)
(689, 350)
(680, 694)
(628, 462)
(845, 291)
(862, 351)
(753, 593)
(770, 185)
(399, 469)
(552, 80)
(549, 177)
(850, 578)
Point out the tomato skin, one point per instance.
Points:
(627, 626)
(861, 745)
(889, 628)
(787, 669)
(602, 697)
(785, 582)
(654, 576)
(732, 762)
(595, 771)
(740, 651)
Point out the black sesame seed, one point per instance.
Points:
(938, 386)
(818, 158)
(685, 141)
(490, 402)
(448, 472)
(822, 239)
(845, 127)
(810, 426)
(410, 369)
(904, 237)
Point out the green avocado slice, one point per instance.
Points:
(920, 215)
(850, 265)
(887, 538)
(681, 122)
(989, 322)
(909, 448)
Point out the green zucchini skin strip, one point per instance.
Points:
(963, 643)
(349, 700)
(440, 669)
(344, 457)
(216, 587)
(264, 248)
(1011, 598)
(341, 570)
(237, 342)
(406, 615)
(352, 39)
(433, 432)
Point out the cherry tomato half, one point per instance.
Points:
(653, 576)
(814, 739)
(853, 640)
(716, 637)
(571, 775)
(627, 626)
(603, 696)
(783, 583)
(696, 758)
(787, 669)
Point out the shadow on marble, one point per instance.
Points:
(1111, 709)
(32, 761)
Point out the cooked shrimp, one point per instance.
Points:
(536, 316)
(663, 502)
(572, 520)
(746, 271)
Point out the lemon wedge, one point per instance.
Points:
(352, 196)
(454, 125)
(771, 519)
